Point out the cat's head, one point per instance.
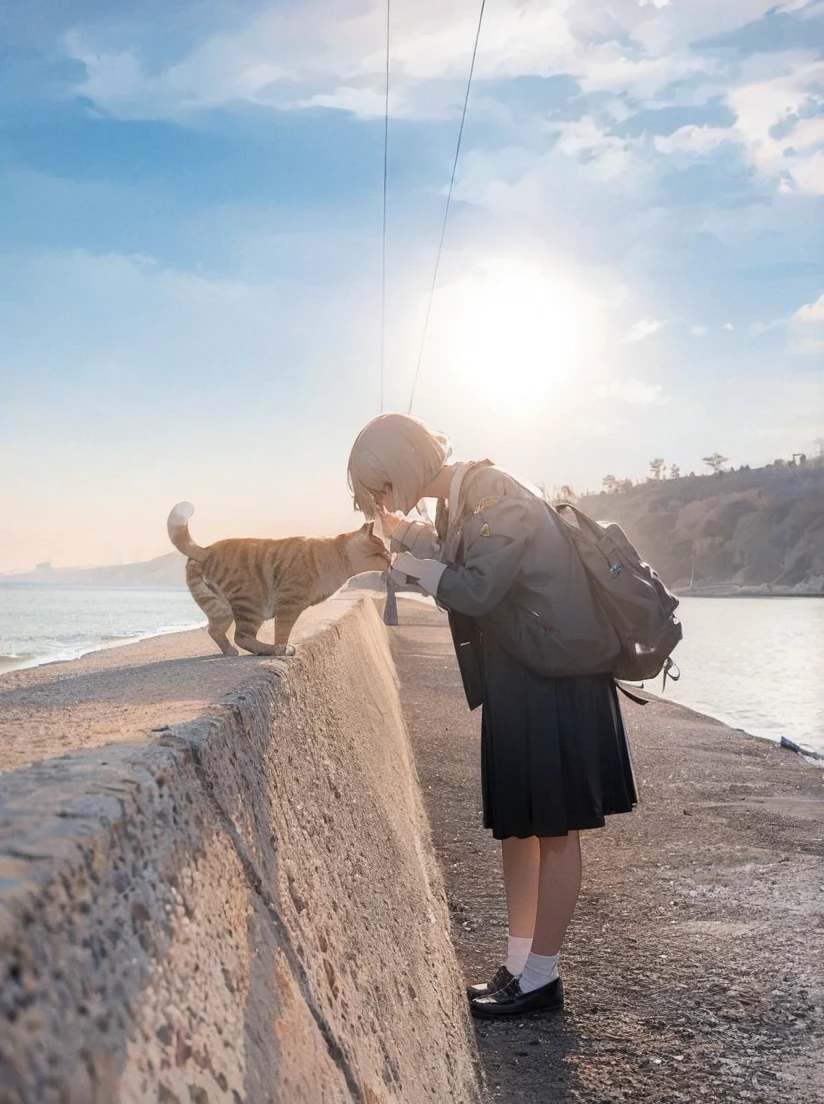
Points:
(366, 551)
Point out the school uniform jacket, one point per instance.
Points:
(513, 574)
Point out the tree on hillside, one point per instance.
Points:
(624, 485)
(564, 493)
(716, 462)
(675, 472)
(609, 483)
(657, 467)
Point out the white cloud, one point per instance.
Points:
(331, 53)
(699, 331)
(806, 9)
(632, 391)
(608, 68)
(808, 133)
(807, 329)
(792, 156)
(728, 326)
(644, 328)
(811, 312)
(364, 102)
(599, 156)
(809, 175)
(698, 140)
(777, 141)
(757, 329)
(516, 39)
(527, 193)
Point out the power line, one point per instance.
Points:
(446, 209)
(383, 234)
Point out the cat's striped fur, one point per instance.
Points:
(249, 580)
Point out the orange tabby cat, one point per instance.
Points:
(248, 580)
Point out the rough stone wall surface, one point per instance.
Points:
(244, 908)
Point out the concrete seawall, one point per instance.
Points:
(244, 906)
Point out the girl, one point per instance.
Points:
(536, 651)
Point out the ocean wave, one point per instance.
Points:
(9, 660)
(60, 652)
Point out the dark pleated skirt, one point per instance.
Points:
(555, 756)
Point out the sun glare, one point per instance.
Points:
(512, 330)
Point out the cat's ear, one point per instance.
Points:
(368, 528)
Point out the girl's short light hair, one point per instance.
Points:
(396, 449)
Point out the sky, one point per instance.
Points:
(190, 251)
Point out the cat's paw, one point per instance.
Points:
(285, 650)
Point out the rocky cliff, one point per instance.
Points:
(754, 528)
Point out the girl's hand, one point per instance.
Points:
(405, 563)
(388, 522)
(427, 573)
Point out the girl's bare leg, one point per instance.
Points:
(521, 863)
(559, 884)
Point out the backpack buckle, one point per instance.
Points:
(671, 671)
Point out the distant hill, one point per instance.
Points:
(165, 570)
(761, 529)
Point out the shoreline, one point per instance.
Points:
(113, 695)
(10, 663)
(809, 753)
(719, 592)
(49, 660)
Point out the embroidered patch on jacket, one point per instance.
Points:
(484, 530)
(485, 504)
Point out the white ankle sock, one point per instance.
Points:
(517, 952)
(539, 970)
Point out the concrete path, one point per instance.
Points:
(695, 964)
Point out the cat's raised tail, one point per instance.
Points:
(178, 525)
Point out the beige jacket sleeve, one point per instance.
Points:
(417, 537)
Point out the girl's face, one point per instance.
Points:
(385, 498)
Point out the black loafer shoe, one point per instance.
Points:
(500, 980)
(510, 1001)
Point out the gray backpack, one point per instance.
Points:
(638, 605)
